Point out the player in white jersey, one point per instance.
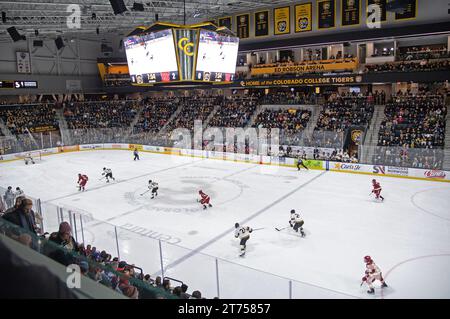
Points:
(28, 159)
(108, 174)
(243, 233)
(153, 186)
(18, 192)
(296, 223)
(372, 273)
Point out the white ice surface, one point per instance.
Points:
(408, 235)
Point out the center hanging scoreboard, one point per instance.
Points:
(181, 54)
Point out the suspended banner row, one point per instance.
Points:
(322, 13)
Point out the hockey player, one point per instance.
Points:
(300, 163)
(205, 199)
(153, 186)
(243, 233)
(9, 197)
(136, 154)
(296, 223)
(108, 174)
(18, 192)
(82, 180)
(372, 273)
(377, 189)
(28, 159)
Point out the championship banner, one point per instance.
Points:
(350, 12)
(326, 14)
(281, 21)
(350, 64)
(303, 17)
(225, 22)
(243, 26)
(381, 4)
(261, 23)
(305, 80)
(410, 12)
(23, 62)
(356, 136)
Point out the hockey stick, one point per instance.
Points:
(145, 192)
(102, 178)
(280, 229)
(255, 229)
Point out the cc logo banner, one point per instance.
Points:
(184, 45)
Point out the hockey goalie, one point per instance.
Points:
(29, 159)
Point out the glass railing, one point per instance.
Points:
(102, 271)
(214, 277)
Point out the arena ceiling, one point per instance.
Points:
(49, 17)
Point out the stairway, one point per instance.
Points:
(251, 121)
(210, 116)
(371, 137)
(5, 130)
(447, 139)
(129, 130)
(63, 128)
(309, 130)
(162, 131)
(8, 135)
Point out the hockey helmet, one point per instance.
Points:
(200, 192)
(374, 180)
(292, 211)
(104, 168)
(149, 181)
(367, 259)
(236, 225)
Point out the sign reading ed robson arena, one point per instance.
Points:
(304, 81)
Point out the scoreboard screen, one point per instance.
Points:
(216, 58)
(151, 57)
(165, 53)
(18, 85)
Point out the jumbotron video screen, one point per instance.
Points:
(151, 57)
(216, 58)
(155, 58)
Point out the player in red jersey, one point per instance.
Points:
(377, 189)
(372, 273)
(205, 199)
(82, 180)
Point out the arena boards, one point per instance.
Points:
(354, 168)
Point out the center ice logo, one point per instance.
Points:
(183, 199)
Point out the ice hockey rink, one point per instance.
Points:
(408, 235)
